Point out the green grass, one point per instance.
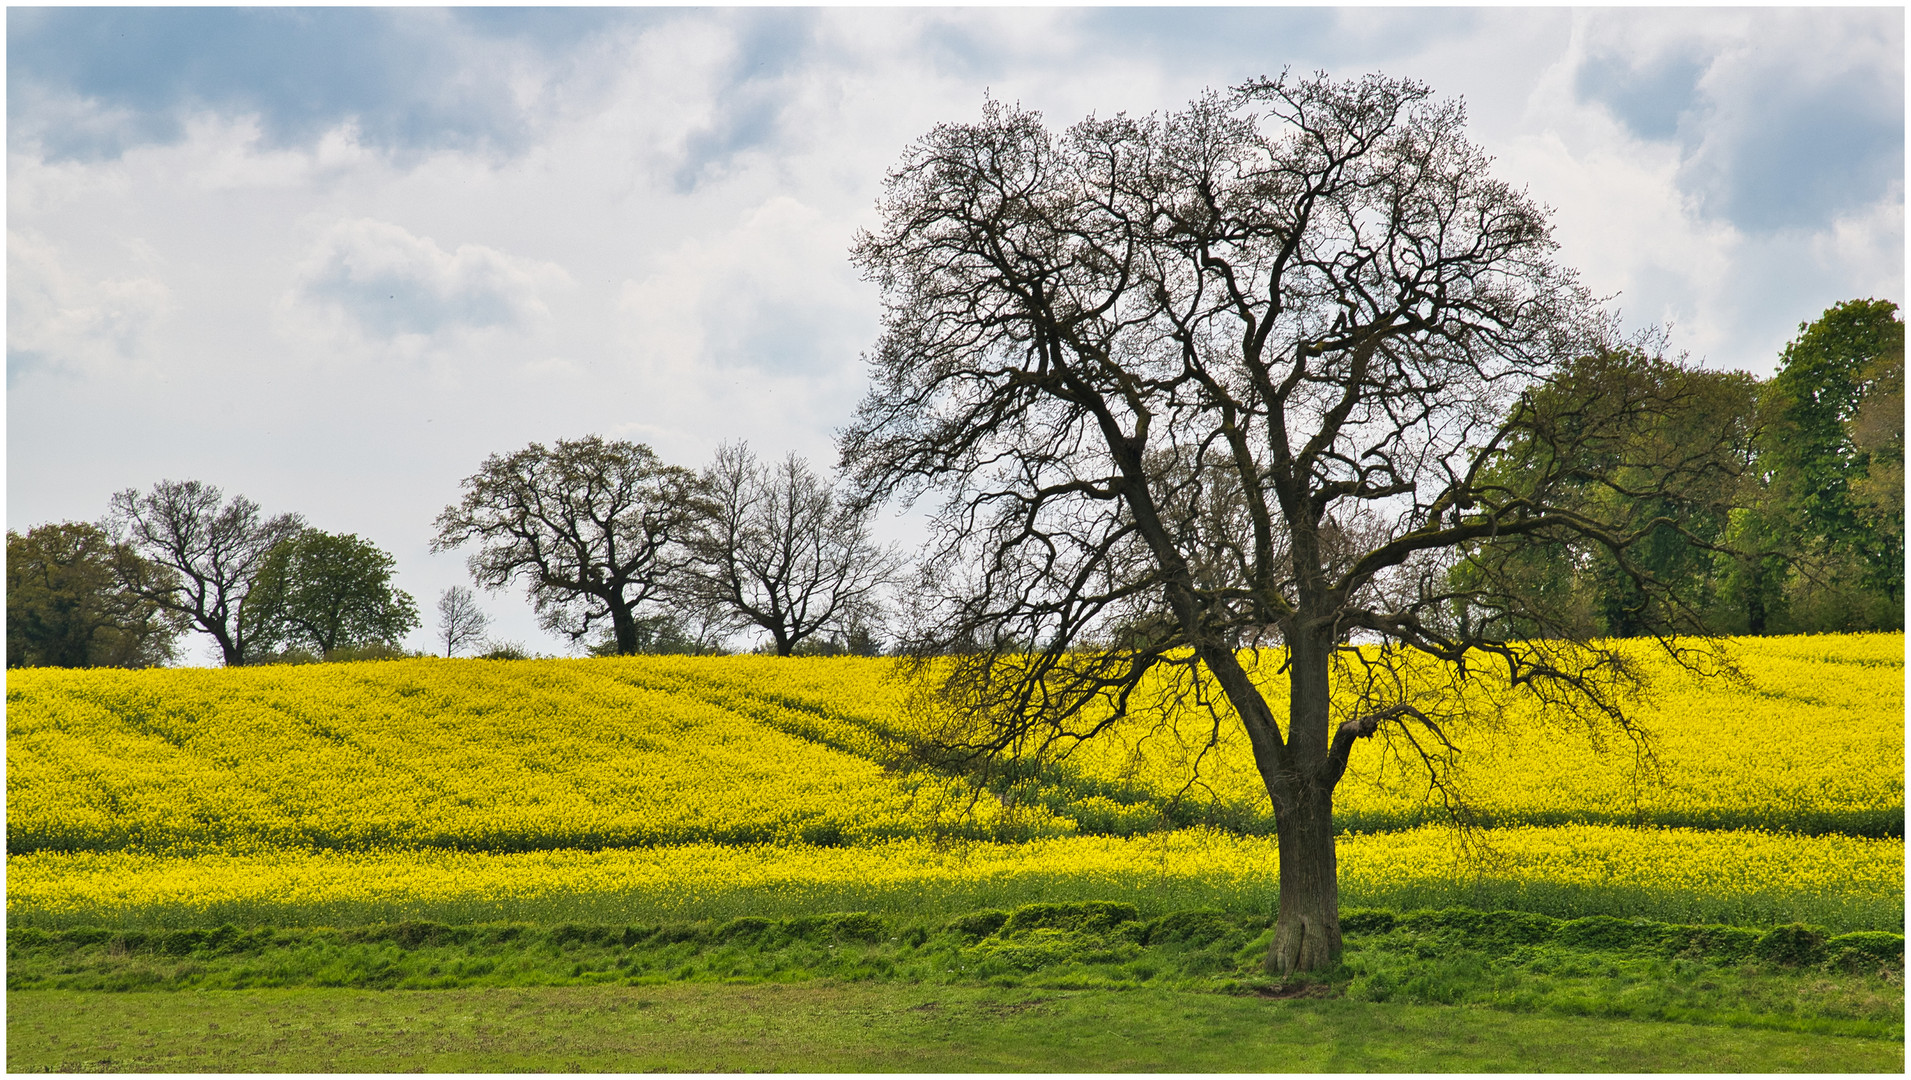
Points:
(1792, 978)
(888, 1027)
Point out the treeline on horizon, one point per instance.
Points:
(622, 553)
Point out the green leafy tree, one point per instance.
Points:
(1840, 521)
(1701, 422)
(66, 606)
(1752, 579)
(1877, 436)
(327, 592)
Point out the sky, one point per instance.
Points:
(332, 258)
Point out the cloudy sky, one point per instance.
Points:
(332, 258)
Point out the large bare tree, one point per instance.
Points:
(207, 552)
(775, 547)
(587, 524)
(1264, 371)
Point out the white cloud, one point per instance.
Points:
(224, 155)
(1785, 118)
(1626, 168)
(645, 233)
(774, 292)
(1619, 217)
(1865, 250)
(59, 320)
(386, 283)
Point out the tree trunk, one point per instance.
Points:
(1307, 932)
(623, 624)
(1755, 597)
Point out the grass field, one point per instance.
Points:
(1790, 977)
(444, 850)
(1050, 987)
(856, 1027)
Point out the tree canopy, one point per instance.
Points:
(1260, 371)
(207, 552)
(67, 608)
(774, 547)
(1668, 578)
(588, 525)
(1833, 453)
(325, 591)
(461, 622)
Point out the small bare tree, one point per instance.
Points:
(208, 551)
(587, 524)
(1264, 371)
(460, 621)
(773, 546)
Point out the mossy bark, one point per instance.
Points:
(1307, 932)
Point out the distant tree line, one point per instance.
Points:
(618, 551)
(1795, 524)
(182, 558)
(624, 554)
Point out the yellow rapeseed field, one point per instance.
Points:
(616, 787)
(1810, 739)
(529, 755)
(465, 754)
(1696, 875)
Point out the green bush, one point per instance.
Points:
(1606, 932)
(856, 926)
(1724, 944)
(1794, 945)
(1367, 920)
(978, 924)
(1483, 929)
(1196, 928)
(1093, 916)
(747, 928)
(1874, 944)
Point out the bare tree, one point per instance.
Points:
(587, 524)
(774, 547)
(1263, 371)
(212, 551)
(460, 621)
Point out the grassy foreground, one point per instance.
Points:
(1789, 977)
(829, 1026)
(1047, 986)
